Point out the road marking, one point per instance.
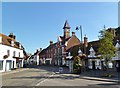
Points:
(38, 84)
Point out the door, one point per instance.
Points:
(93, 65)
(47, 62)
(13, 64)
(8, 65)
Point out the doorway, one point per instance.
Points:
(93, 65)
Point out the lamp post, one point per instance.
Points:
(80, 28)
(80, 51)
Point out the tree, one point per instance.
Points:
(77, 64)
(106, 48)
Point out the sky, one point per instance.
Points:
(36, 23)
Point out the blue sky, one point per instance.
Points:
(35, 24)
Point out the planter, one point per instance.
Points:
(107, 75)
(76, 71)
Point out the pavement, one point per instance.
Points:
(100, 75)
(14, 71)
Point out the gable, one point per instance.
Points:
(73, 41)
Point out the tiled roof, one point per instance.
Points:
(43, 52)
(6, 40)
(74, 49)
(64, 40)
(49, 47)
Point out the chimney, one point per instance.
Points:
(12, 36)
(36, 50)
(85, 43)
(0, 39)
(73, 33)
(51, 42)
(40, 49)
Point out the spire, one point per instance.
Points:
(66, 25)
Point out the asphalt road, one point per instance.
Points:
(45, 76)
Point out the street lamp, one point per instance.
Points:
(80, 51)
(80, 28)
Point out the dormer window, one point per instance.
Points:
(12, 43)
(20, 46)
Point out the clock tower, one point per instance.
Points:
(66, 30)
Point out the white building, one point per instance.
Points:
(117, 57)
(11, 53)
(94, 62)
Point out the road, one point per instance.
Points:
(45, 76)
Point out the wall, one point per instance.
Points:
(3, 51)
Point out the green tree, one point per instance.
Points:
(106, 48)
(77, 64)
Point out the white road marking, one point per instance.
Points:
(38, 84)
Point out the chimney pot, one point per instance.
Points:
(73, 33)
(40, 49)
(51, 42)
(11, 35)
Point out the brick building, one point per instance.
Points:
(56, 53)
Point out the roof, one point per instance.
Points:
(66, 25)
(74, 49)
(6, 40)
(43, 52)
(49, 47)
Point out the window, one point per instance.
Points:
(19, 54)
(8, 52)
(12, 43)
(62, 49)
(14, 53)
(55, 51)
(1, 65)
(58, 50)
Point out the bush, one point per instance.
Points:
(77, 65)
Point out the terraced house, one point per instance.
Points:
(11, 53)
(56, 53)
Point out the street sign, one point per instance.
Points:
(60, 69)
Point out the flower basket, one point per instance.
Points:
(107, 75)
(5, 56)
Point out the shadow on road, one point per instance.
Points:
(48, 77)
